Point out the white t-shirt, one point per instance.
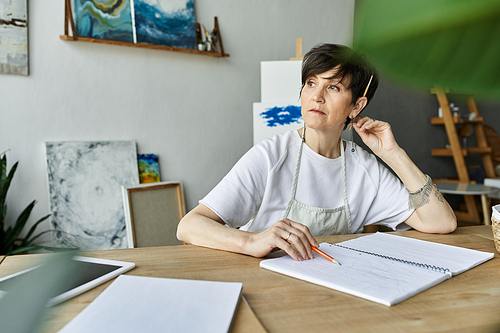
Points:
(260, 183)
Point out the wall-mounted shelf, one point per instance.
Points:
(68, 21)
(440, 121)
(465, 151)
(145, 46)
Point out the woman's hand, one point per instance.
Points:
(292, 237)
(376, 134)
(436, 216)
(203, 227)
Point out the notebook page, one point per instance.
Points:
(456, 259)
(363, 275)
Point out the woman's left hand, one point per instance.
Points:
(376, 134)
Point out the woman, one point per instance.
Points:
(288, 189)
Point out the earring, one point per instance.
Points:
(352, 135)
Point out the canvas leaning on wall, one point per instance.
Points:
(149, 170)
(85, 180)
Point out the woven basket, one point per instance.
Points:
(495, 225)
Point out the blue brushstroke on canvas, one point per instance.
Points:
(282, 115)
(104, 19)
(155, 24)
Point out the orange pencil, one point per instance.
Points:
(323, 254)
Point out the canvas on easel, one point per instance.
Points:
(279, 109)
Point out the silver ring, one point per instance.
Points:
(286, 239)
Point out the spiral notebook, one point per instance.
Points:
(381, 267)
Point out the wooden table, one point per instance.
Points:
(469, 302)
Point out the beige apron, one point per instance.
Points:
(320, 221)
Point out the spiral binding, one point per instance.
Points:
(409, 262)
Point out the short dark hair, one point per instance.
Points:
(352, 66)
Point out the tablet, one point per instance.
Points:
(90, 272)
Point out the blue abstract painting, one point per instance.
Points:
(282, 115)
(165, 22)
(104, 19)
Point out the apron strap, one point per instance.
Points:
(344, 181)
(296, 175)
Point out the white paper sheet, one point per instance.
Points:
(147, 304)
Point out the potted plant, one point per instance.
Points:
(9, 242)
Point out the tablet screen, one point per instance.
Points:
(89, 273)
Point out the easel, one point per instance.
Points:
(298, 49)
(458, 152)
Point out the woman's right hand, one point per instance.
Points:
(292, 237)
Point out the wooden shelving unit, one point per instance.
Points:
(465, 151)
(68, 22)
(458, 152)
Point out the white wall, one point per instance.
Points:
(194, 112)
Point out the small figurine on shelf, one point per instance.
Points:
(213, 36)
(454, 109)
(199, 38)
(209, 41)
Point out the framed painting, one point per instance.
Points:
(152, 213)
(14, 37)
(149, 171)
(85, 180)
(165, 22)
(104, 19)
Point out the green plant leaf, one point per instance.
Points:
(3, 167)
(5, 181)
(3, 213)
(23, 249)
(27, 240)
(4, 187)
(13, 233)
(429, 43)
(42, 247)
(59, 249)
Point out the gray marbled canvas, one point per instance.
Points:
(85, 180)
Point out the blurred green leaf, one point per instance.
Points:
(424, 43)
